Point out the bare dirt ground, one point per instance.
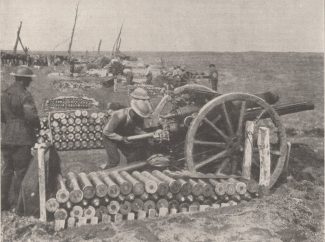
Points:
(294, 211)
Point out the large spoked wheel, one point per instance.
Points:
(216, 137)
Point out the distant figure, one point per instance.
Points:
(213, 77)
(148, 75)
(129, 76)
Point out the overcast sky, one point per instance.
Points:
(166, 25)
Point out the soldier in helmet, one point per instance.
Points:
(19, 119)
(213, 77)
(123, 123)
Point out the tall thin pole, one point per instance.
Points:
(17, 39)
(100, 43)
(74, 26)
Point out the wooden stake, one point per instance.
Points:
(42, 181)
(247, 162)
(263, 142)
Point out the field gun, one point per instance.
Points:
(206, 129)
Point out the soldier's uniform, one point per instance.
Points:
(19, 119)
(213, 77)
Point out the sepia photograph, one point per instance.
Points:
(162, 120)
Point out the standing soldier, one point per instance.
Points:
(213, 77)
(148, 75)
(19, 119)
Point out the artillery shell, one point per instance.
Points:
(197, 204)
(162, 203)
(197, 188)
(144, 196)
(154, 197)
(169, 196)
(207, 201)
(207, 188)
(67, 205)
(130, 197)
(230, 187)
(51, 205)
(149, 204)
(137, 187)
(86, 186)
(200, 198)
(183, 207)
(84, 203)
(60, 214)
(246, 196)
(125, 208)
(125, 186)
(76, 194)
(137, 205)
(174, 185)
(236, 198)
(100, 188)
(113, 189)
(239, 186)
(105, 200)
(186, 187)
(180, 197)
(120, 198)
(163, 188)
(215, 198)
(76, 212)
(95, 202)
(173, 204)
(149, 185)
(102, 210)
(89, 212)
(219, 188)
(252, 186)
(113, 207)
(225, 198)
(190, 198)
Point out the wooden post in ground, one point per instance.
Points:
(247, 162)
(42, 181)
(17, 39)
(263, 142)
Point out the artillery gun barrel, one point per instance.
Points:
(162, 203)
(240, 187)
(149, 204)
(281, 109)
(207, 188)
(125, 208)
(51, 205)
(89, 212)
(60, 214)
(137, 205)
(219, 188)
(186, 187)
(197, 188)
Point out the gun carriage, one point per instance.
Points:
(204, 131)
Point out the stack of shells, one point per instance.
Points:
(69, 102)
(76, 130)
(44, 134)
(111, 194)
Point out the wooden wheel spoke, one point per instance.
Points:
(223, 165)
(241, 118)
(210, 143)
(215, 157)
(215, 128)
(228, 121)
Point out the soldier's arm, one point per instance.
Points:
(30, 111)
(109, 129)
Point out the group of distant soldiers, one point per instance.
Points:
(16, 59)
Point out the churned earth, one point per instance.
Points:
(294, 209)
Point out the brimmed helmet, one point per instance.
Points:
(141, 107)
(140, 93)
(23, 71)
